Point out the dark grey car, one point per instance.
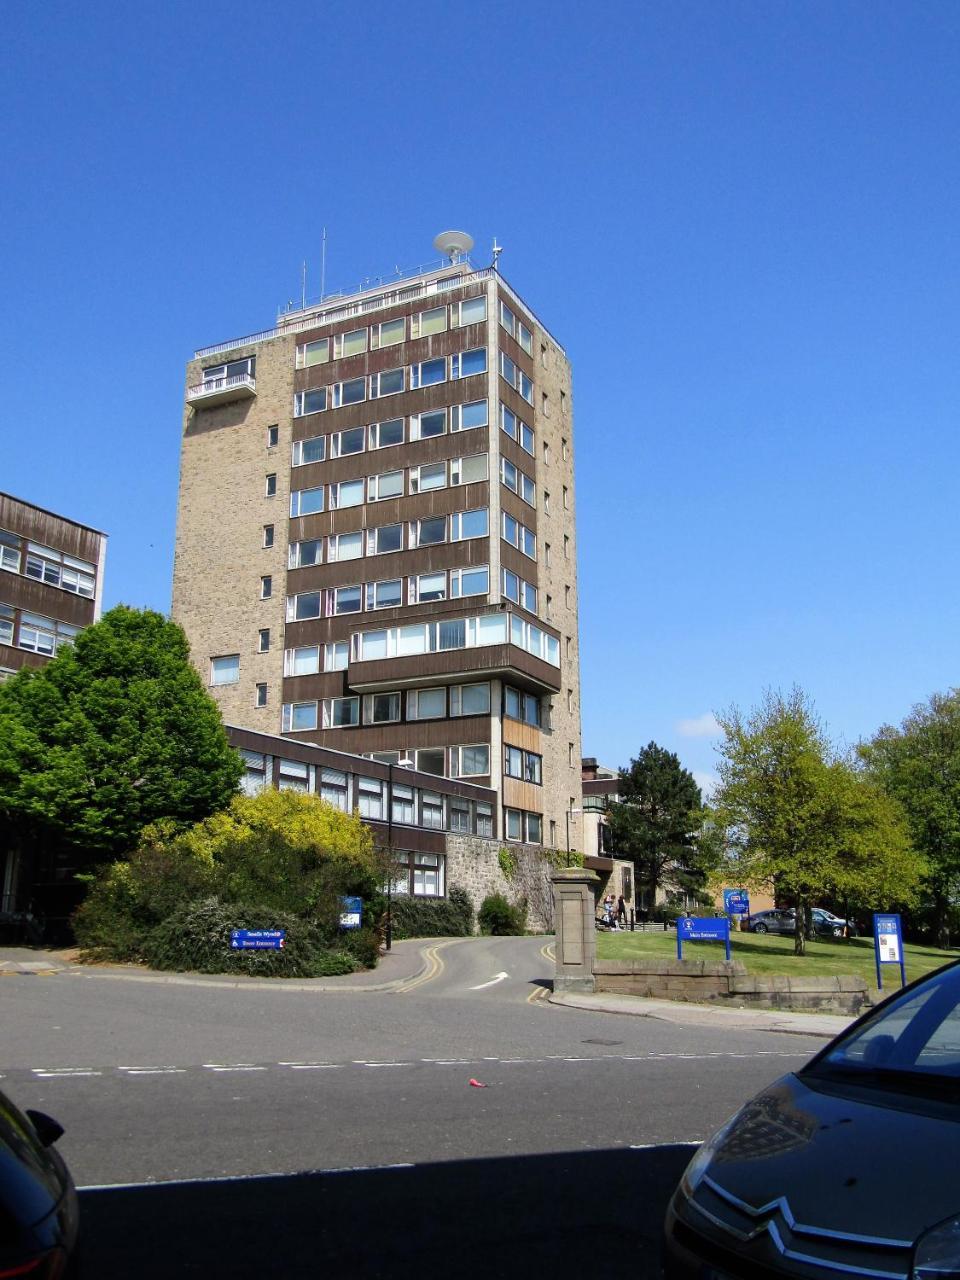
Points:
(847, 1168)
(778, 921)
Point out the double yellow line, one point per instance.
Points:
(548, 951)
(434, 967)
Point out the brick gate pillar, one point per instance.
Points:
(574, 912)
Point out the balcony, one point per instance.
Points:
(506, 661)
(222, 390)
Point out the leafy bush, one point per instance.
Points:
(197, 938)
(363, 945)
(498, 917)
(450, 917)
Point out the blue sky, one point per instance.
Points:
(739, 218)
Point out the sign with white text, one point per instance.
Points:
(888, 945)
(702, 929)
(258, 939)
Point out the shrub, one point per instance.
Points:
(363, 945)
(450, 917)
(498, 917)
(197, 938)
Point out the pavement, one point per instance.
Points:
(413, 962)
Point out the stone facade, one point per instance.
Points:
(728, 982)
(474, 864)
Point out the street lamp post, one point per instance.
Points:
(568, 813)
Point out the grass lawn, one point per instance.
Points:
(769, 954)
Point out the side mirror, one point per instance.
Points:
(48, 1130)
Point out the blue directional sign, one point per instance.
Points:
(258, 939)
(736, 902)
(702, 929)
(351, 913)
(888, 945)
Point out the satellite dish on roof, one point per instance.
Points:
(454, 244)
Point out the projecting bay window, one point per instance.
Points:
(428, 373)
(470, 762)
(426, 704)
(352, 392)
(384, 434)
(470, 699)
(345, 546)
(519, 591)
(298, 716)
(388, 334)
(311, 353)
(534, 640)
(428, 322)
(425, 425)
(306, 502)
(386, 538)
(514, 377)
(311, 401)
(388, 383)
(465, 364)
(59, 570)
(352, 343)
(381, 708)
(430, 637)
(516, 430)
(463, 417)
(340, 713)
(470, 311)
(370, 800)
(312, 450)
(348, 493)
(344, 443)
(389, 484)
(302, 554)
(516, 328)
(303, 661)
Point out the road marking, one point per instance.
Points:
(383, 1064)
(63, 1073)
(434, 967)
(152, 1071)
(676, 1142)
(501, 977)
(232, 1066)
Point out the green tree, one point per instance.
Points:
(114, 733)
(658, 823)
(798, 817)
(919, 764)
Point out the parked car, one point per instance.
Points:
(842, 1168)
(38, 1201)
(827, 924)
(781, 920)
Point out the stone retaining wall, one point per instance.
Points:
(473, 863)
(729, 982)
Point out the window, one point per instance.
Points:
(261, 695)
(470, 311)
(381, 708)
(388, 383)
(428, 587)
(516, 481)
(566, 596)
(266, 587)
(333, 788)
(470, 582)
(546, 454)
(220, 373)
(305, 553)
(518, 705)
(304, 661)
(263, 640)
(345, 546)
(255, 774)
(469, 470)
(467, 363)
(270, 485)
(370, 797)
(294, 775)
(536, 641)
(268, 535)
(341, 713)
(385, 595)
(463, 417)
(566, 496)
(348, 493)
(430, 637)
(44, 635)
(546, 554)
(513, 824)
(389, 484)
(306, 502)
(569, 699)
(222, 670)
(343, 443)
(426, 704)
(513, 762)
(564, 447)
(430, 760)
(336, 655)
(352, 392)
(468, 524)
(514, 376)
(532, 768)
(519, 535)
(570, 754)
(431, 811)
(425, 425)
(352, 343)
(428, 373)
(273, 436)
(566, 547)
(388, 334)
(388, 537)
(312, 401)
(344, 600)
(57, 569)
(534, 828)
(9, 552)
(523, 826)
(428, 875)
(546, 502)
(548, 610)
(545, 404)
(402, 804)
(384, 434)
(515, 429)
(459, 814)
(306, 605)
(313, 353)
(7, 615)
(466, 762)
(428, 322)
(470, 700)
(519, 591)
(428, 532)
(516, 328)
(432, 475)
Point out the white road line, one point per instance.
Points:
(492, 983)
(385, 1064)
(236, 1066)
(153, 1071)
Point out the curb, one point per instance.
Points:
(678, 1012)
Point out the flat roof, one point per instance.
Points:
(57, 515)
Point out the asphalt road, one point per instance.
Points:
(273, 1117)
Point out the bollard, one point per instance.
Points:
(631, 919)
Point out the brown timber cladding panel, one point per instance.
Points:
(398, 564)
(397, 737)
(521, 668)
(438, 502)
(49, 529)
(51, 602)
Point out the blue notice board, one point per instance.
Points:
(702, 929)
(888, 945)
(351, 913)
(258, 939)
(736, 902)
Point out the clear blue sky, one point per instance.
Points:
(740, 218)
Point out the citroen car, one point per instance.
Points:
(846, 1168)
(38, 1201)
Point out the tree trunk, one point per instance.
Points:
(800, 928)
(942, 921)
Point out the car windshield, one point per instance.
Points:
(911, 1044)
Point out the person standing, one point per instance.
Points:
(621, 912)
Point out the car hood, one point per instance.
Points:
(850, 1159)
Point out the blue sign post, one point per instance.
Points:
(702, 929)
(258, 939)
(351, 913)
(736, 902)
(888, 945)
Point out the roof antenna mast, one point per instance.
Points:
(323, 264)
(497, 250)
